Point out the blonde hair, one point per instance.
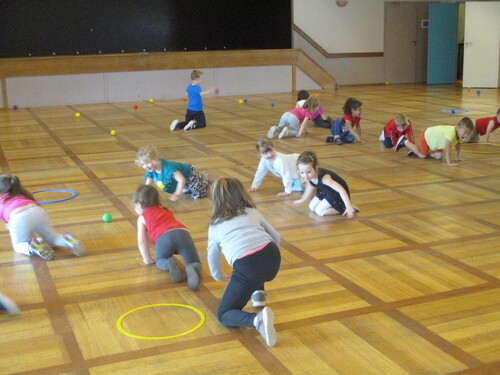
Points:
(196, 74)
(229, 199)
(311, 104)
(402, 120)
(264, 145)
(146, 153)
(466, 123)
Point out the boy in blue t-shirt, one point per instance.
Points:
(195, 118)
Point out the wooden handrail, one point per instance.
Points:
(329, 55)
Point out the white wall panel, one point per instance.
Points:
(254, 79)
(303, 82)
(55, 90)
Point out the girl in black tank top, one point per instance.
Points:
(332, 193)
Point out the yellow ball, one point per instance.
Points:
(112, 132)
(468, 88)
(151, 100)
(77, 114)
(387, 83)
(240, 101)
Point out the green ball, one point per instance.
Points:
(106, 217)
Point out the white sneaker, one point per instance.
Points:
(283, 133)
(173, 125)
(40, 248)
(264, 323)
(259, 298)
(382, 137)
(270, 133)
(74, 245)
(190, 125)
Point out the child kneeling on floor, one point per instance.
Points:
(24, 217)
(249, 244)
(167, 234)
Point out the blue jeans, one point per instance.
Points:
(249, 274)
(388, 142)
(337, 130)
(292, 121)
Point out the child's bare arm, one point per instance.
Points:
(309, 189)
(353, 131)
(303, 128)
(209, 91)
(349, 210)
(142, 241)
(489, 129)
(457, 152)
(181, 184)
(447, 154)
(149, 181)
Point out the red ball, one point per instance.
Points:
(136, 106)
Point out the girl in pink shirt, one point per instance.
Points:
(296, 119)
(23, 216)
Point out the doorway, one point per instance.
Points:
(405, 42)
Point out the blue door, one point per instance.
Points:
(442, 51)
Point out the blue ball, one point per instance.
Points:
(478, 92)
(272, 104)
(245, 100)
(453, 111)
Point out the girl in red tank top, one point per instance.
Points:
(167, 234)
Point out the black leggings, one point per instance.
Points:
(249, 274)
(197, 116)
(175, 241)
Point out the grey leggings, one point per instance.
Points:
(175, 241)
(22, 225)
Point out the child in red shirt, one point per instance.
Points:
(398, 133)
(347, 128)
(167, 234)
(485, 126)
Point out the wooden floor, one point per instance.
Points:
(410, 286)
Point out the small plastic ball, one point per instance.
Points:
(478, 92)
(112, 132)
(77, 114)
(273, 104)
(15, 107)
(453, 111)
(245, 100)
(185, 99)
(468, 88)
(316, 94)
(136, 106)
(387, 83)
(107, 217)
(240, 101)
(151, 100)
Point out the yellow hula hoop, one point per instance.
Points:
(480, 152)
(125, 332)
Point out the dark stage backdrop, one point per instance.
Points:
(70, 27)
